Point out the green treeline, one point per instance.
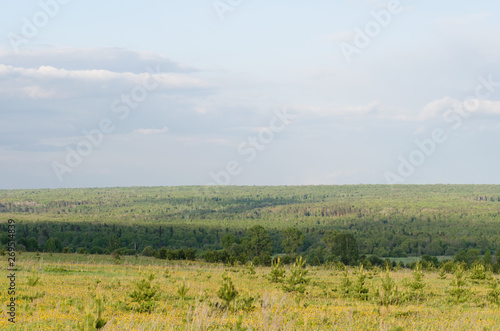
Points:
(259, 222)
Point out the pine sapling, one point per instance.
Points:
(389, 293)
(360, 290)
(493, 294)
(442, 273)
(277, 272)
(227, 292)
(297, 280)
(459, 291)
(345, 283)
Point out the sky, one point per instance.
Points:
(248, 92)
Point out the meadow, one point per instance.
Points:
(82, 292)
(353, 257)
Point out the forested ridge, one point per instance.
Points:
(386, 221)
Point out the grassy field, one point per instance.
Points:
(71, 292)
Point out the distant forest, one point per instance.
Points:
(324, 223)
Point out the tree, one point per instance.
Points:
(487, 258)
(469, 257)
(260, 241)
(342, 245)
(32, 245)
(292, 240)
(114, 243)
(227, 240)
(53, 245)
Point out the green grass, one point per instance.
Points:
(63, 300)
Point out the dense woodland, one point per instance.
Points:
(323, 223)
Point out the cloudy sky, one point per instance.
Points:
(248, 92)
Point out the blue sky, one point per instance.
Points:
(416, 99)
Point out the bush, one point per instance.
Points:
(496, 268)
(256, 260)
(96, 250)
(493, 294)
(375, 260)
(127, 251)
(265, 259)
(246, 302)
(398, 252)
(209, 256)
(477, 272)
(162, 253)
(242, 258)
(181, 254)
(190, 254)
(82, 250)
(148, 251)
(286, 259)
(171, 255)
(427, 258)
(448, 266)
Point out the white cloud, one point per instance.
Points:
(371, 108)
(438, 107)
(147, 132)
(195, 140)
(342, 36)
(489, 107)
(51, 82)
(111, 59)
(464, 19)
